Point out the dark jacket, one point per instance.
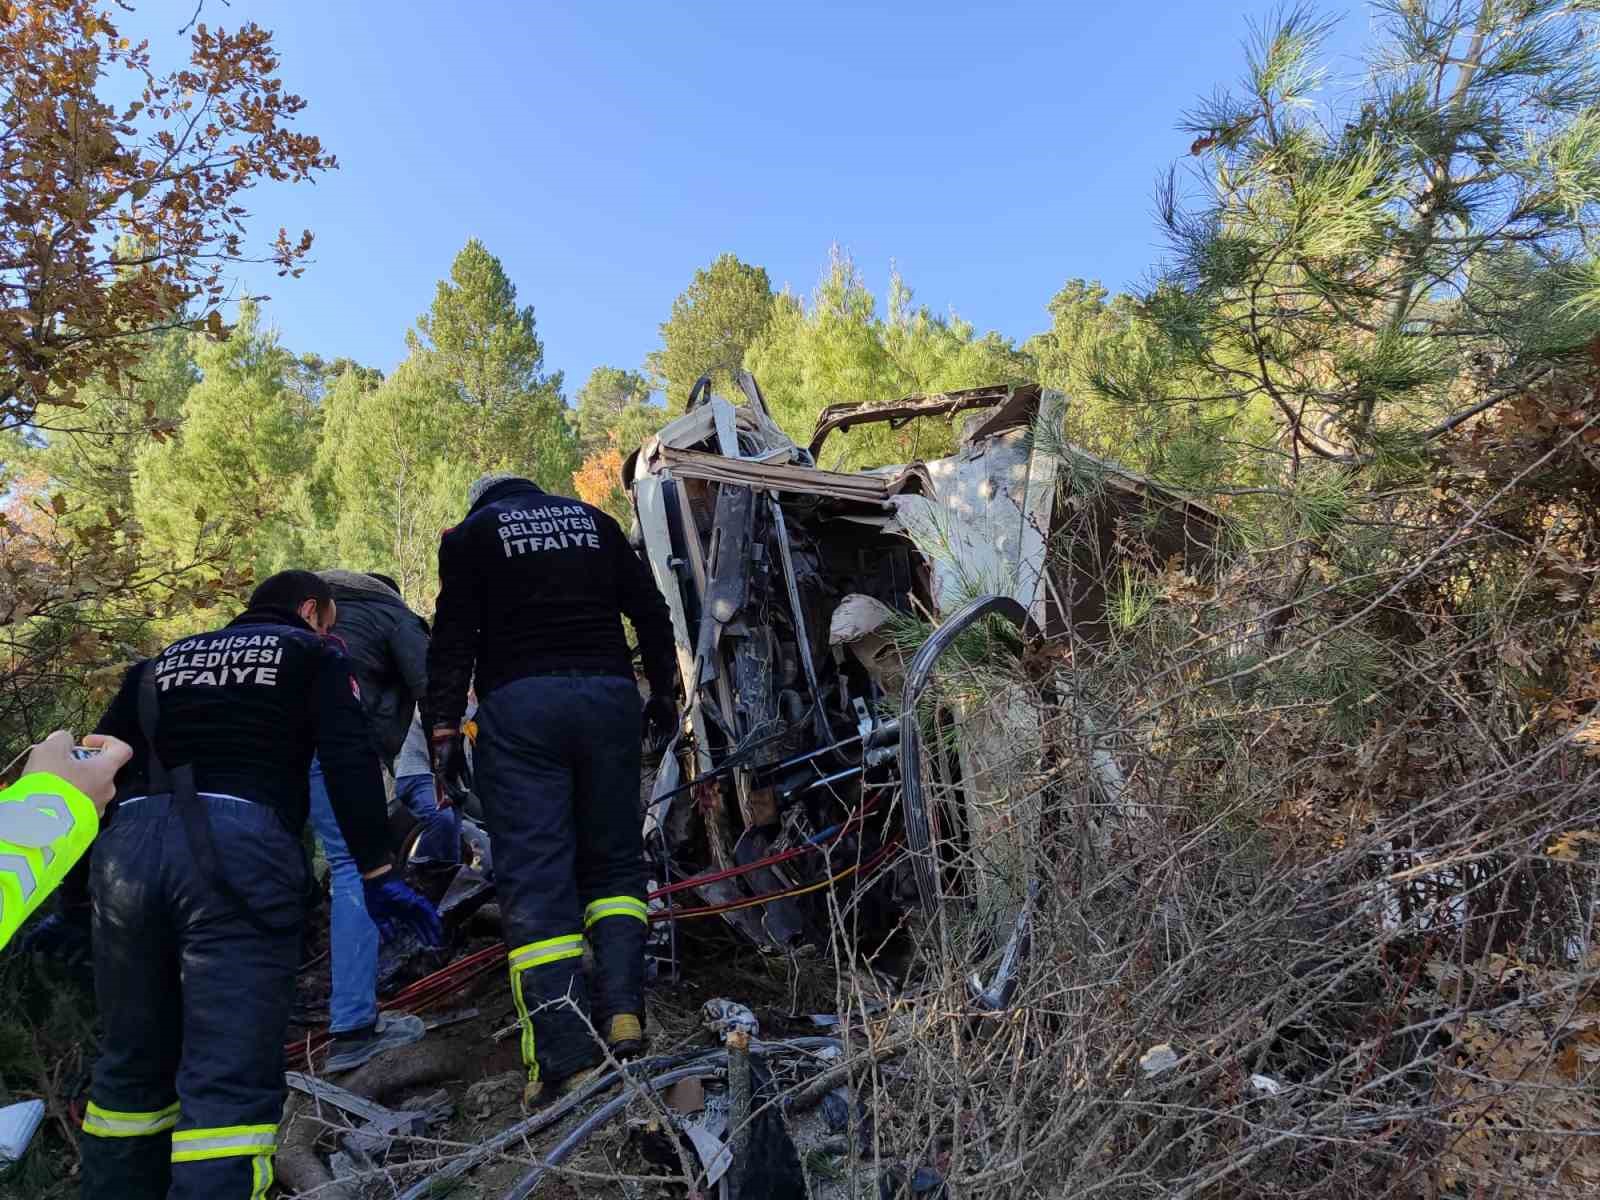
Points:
(533, 584)
(248, 706)
(388, 646)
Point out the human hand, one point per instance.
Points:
(62, 935)
(660, 722)
(94, 776)
(447, 751)
(393, 907)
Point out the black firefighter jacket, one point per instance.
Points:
(388, 647)
(535, 584)
(247, 706)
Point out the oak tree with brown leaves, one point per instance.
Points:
(119, 220)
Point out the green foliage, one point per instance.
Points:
(231, 473)
(396, 455)
(614, 405)
(1348, 280)
(391, 476)
(839, 350)
(477, 348)
(44, 1046)
(1131, 601)
(97, 465)
(713, 322)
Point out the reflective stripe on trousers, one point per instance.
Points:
(102, 1122)
(524, 958)
(257, 1142)
(615, 906)
(225, 1141)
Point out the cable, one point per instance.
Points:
(680, 914)
(449, 980)
(771, 860)
(524, 1186)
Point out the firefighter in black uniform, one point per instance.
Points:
(199, 884)
(532, 591)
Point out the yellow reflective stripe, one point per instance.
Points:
(223, 1141)
(523, 958)
(550, 950)
(104, 1122)
(615, 906)
(526, 1021)
(261, 1177)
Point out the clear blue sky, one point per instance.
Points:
(605, 150)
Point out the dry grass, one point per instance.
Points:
(1325, 924)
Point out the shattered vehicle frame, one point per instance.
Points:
(810, 610)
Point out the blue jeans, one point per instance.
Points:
(352, 936)
(440, 840)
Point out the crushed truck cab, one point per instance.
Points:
(812, 609)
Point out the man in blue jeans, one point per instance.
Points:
(438, 848)
(387, 645)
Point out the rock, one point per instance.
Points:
(836, 1109)
(1158, 1059)
(487, 1096)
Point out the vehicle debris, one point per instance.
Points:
(18, 1123)
(723, 1017)
(377, 1119)
(811, 610)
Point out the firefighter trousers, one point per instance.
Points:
(195, 1002)
(557, 767)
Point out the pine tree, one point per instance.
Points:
(713, 322)
(393, 478)
(614, 402)
(482, 354)
(1344, 267)
(229, 476)
(839, 350)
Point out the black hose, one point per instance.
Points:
(530, 1180)
(697, 1060)
(543, 1119)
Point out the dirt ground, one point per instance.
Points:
(481, 1057)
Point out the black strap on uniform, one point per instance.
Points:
(179, 783)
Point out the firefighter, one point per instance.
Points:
(199, 885)
(532, 591)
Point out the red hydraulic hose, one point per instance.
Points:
(449, 980)
(782, 856)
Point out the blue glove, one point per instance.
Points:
(394, 907)
(60, 937)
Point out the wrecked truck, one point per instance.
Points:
(811, 611)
